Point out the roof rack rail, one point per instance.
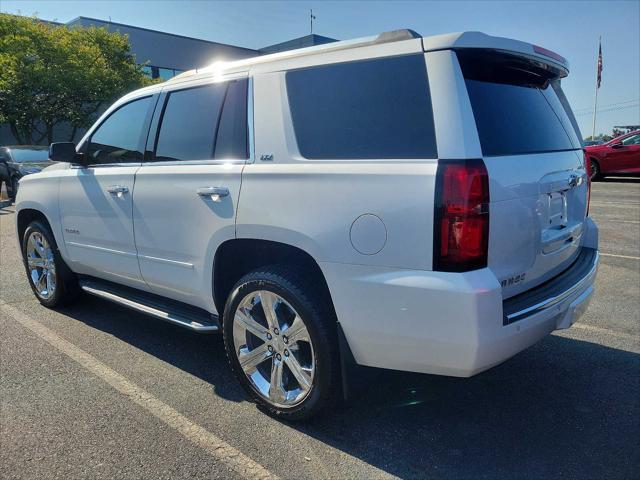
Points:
(385, 37)
(397, 35)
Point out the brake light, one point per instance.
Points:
(461, 229)
(549, 53)
(587, 167)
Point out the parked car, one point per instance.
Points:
(380, 202)
(20, 160)
(589, 143)
(620, 156)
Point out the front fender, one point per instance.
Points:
(39, 192)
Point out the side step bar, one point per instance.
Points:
(172, 311)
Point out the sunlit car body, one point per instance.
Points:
(620, 156)
(356, 203)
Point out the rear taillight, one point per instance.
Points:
(587, 167)
(461, 227)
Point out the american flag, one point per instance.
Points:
(599, 63)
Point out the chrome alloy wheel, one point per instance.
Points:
(274, 349)
(41, 264)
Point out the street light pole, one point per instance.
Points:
(312, 17)
(595, 107)
(595, 102)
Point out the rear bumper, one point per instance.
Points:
(450, 323)
(577, 278)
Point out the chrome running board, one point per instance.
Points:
(171, 311)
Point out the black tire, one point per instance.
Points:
(596, 174)
(14, 188)
(66, 284)
(312, 305)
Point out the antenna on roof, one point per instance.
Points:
(313, 17)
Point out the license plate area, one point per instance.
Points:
(557, 208)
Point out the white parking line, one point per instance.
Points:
(600, 203)
(619, 256)
(206, 440)
(607, 331)
(615, 220)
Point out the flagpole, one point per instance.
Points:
(595, 103)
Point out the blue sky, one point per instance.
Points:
(570, 28)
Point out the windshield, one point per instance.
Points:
(23, 155)
(632, 140)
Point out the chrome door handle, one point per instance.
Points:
(214, 192)
(118, 190)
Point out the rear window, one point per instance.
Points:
(518, 107)
(371, 109)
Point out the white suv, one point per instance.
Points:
(400, 202)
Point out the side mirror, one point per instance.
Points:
(617, 145)
(63, 152)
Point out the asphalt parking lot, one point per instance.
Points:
(97, 391)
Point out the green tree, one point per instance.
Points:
(52, 75)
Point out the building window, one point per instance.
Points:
(160, 72)
(166, 73)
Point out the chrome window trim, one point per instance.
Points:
(106, 165)
(171, 163)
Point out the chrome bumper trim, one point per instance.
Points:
(554, 300)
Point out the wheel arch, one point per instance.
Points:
(231, 263)
(598, 162)
(27, 215)
(236, 257)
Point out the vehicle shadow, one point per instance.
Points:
(619, 180)
(563, 408)
(172, 344)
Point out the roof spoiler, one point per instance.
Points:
(464, 40)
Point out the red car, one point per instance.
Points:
(620, 156)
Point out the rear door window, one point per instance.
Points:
(231, 140)
(517, 108)
(202, 123)
(189, 122)
(370, 109)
